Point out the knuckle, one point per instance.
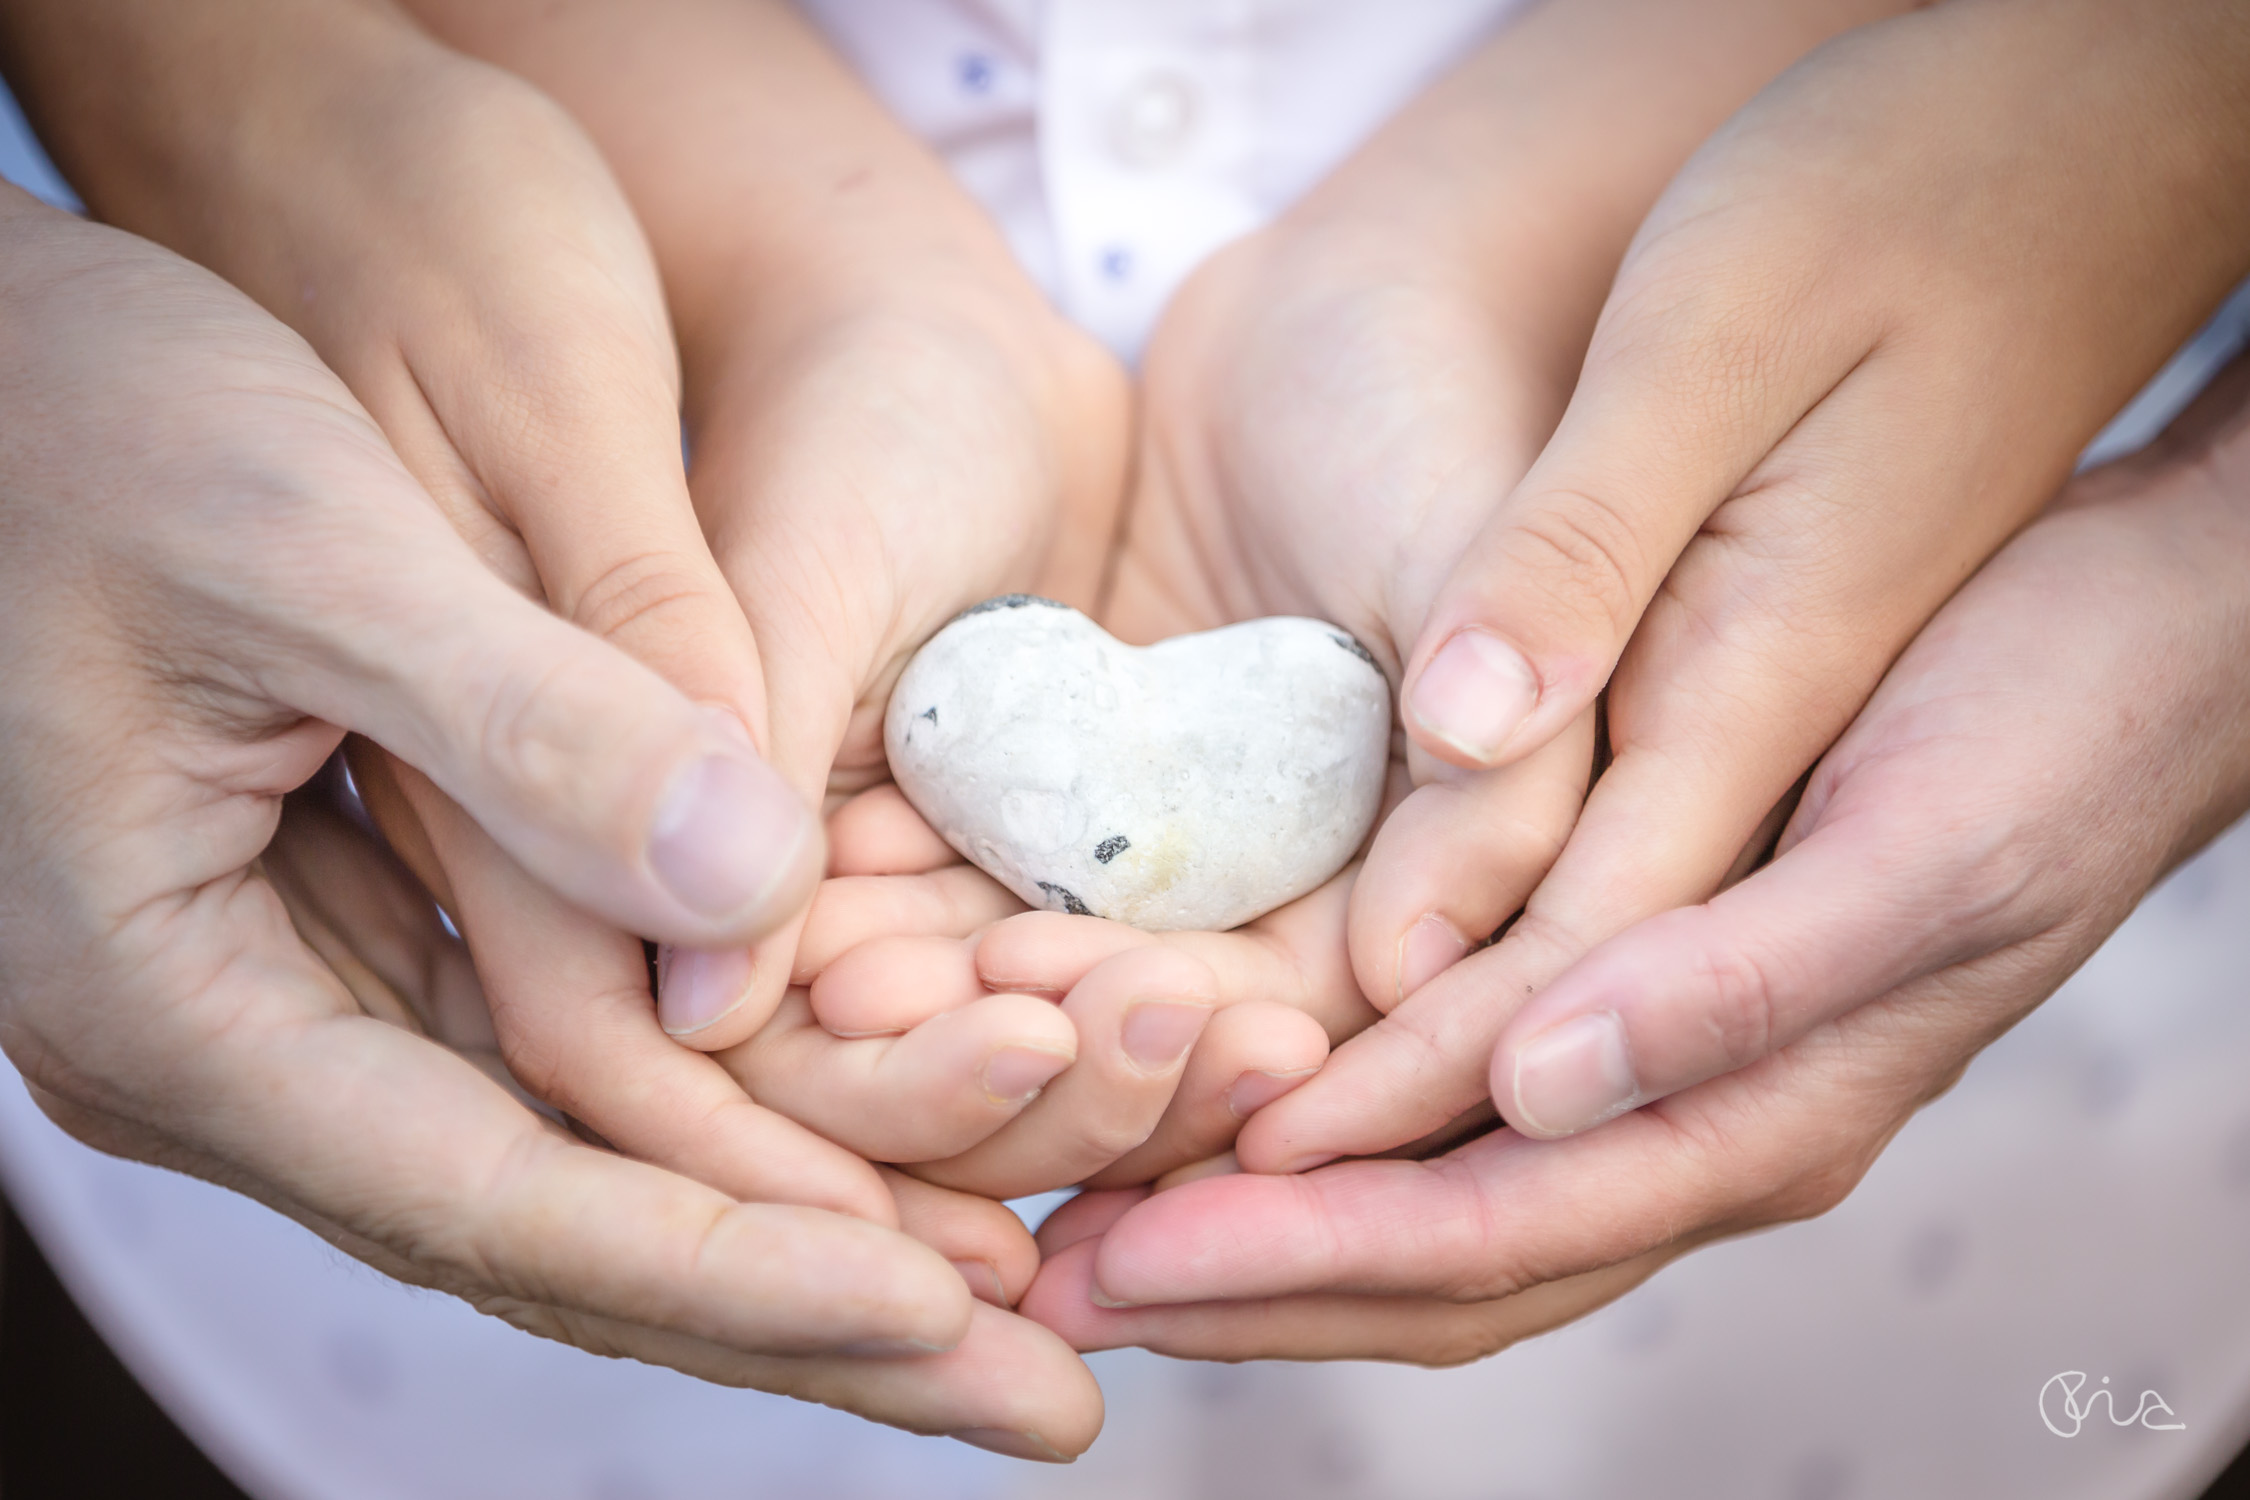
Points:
(1739, 1003)
(641, 592)
(1584, 557)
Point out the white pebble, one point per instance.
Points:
(1193, 784)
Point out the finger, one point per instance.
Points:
(853, 909)
(1425, 1331)
(1459, 857)
(1703, 990)
(1415, 1071)
(468, 1187)
(1137, 1017)
(878, 832)
(1009, 1385)
(1704, 357)
(1248, 1056)
(585, 766)
(1784, 1138)
(984, 1240)
(571, 1010)
(934, 1092)
(890, 985)
(1295, 956)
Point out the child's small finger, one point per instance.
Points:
(893, 984)
(932, 1093)
(1047, 953)
(849, 910)
(878, 832)
(1295, 956)
(1249, 1056)
(1137, 1018)
(986, 1242)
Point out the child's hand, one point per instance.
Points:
(1335, 407)
(888, 422)
(938, 1023)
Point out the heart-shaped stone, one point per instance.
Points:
(1193, 784)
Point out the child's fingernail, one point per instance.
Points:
(1100, 1298)
(1254, 1091)
(1306, 1163)
(695, 988)
(983, 1280)
(1157, 1033)
(1474, 693)
(1573, 1076)
(1015, 1075)
(1014, 1444)
(1426, 950)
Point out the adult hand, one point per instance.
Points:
(2073, 724)
(452, 245)
(214, 567)
(1860, 341)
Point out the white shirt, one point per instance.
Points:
(1119, 142)
(2080, 1202)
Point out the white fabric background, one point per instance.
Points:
(2081, 1201)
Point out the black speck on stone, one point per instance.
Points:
(1010, 601)
(929, 713)
(1109, 848)
(1069, 899)
(1355, 648)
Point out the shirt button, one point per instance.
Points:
(975, 73)
(1155, 121)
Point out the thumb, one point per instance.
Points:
(607, 783)
(1835, 923)
(1696, 372)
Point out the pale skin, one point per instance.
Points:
(432, 280)
(2020, 778)
(1766, 635)
(1273, 479)
(1402, 930)
(216, 567)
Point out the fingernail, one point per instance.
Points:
(983, 1280)
(1157, 1034)
(1014, 1444)
(1474, 693)
(1574, 1076)
(1100, 1298)
(1426, 950)
(1015, 1075)
(1254, 1091)
(727, 833)
(695, 988)
(1306, 1163)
